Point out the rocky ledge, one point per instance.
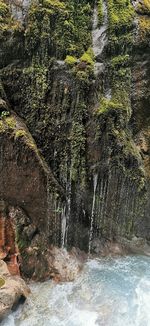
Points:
(120, 246)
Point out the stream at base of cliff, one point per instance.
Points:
(108, 292)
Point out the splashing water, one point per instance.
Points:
(109, 292)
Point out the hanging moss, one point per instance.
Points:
(70, 60)
(100, 12)
(144, 31)
(121, 15)
(77, 151)
(58, 28)
(106, 105)
(120, 61)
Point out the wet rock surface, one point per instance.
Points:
(13, 291)
(120, 247)
(72, 127)
(65, 266)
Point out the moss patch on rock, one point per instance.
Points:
(143, 7)
(2, 282)
(65, 28)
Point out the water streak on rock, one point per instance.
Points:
(95, 180)
(63, 226)
(68, 210)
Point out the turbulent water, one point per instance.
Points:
(109, 292)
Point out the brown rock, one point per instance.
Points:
(12, 291)
(64, 266)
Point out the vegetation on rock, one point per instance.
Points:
(2, 282)
(81, 123)
(144, 7)
(100, 12)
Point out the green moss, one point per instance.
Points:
(70, 60)
(120, 34)
(106, 105)
(4, 10)
(53, 4)
(82, 76)
(100, 12)
(2, 282)
(83, 68)
(20, 133)
(78, 144)
(88, 57)
(35, 77)
(10, 122)
(144, 7)
(121, 21)
(120, 60)
(2, 128)
(7, 22)
(121, 14)
(65, 28)
(144, 30)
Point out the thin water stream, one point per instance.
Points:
(63, 227)
(99, 34)
(99, 37)
(95, 179)
(109, 292)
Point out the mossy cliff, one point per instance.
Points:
(86, 127)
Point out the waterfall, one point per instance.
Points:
(19, 10)
(95, 179)
(99, 36)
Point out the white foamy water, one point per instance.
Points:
(109, 292)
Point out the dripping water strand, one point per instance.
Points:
(95, 179)
(65, 216)
(63, 226)
(68, 208)
(48, 205)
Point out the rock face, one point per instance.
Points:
(86, 174)
(30, 179)
(12, 291)
(25, 179)
(64, 266)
